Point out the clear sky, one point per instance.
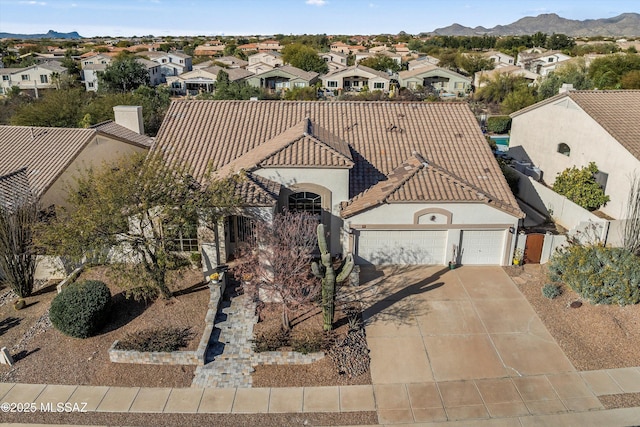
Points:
(252, 17)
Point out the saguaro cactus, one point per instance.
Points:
(325, 271)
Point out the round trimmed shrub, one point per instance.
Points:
(81, 309)
(600, 274)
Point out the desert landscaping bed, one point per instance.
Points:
(54, 358)
(592, 336)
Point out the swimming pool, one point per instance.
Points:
(502, 141)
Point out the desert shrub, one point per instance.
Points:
(161, 339)
(271, 340)
(81, 309)
(499, 124)
(551, 291)
(581, 187)
(309, 342)
(600, 274)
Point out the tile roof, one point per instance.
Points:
(427, 68)
(112, 129)
(380, 137)
(416, 180)
(48, 151)
(617, 111)
(14, 186)
(358, 67)
(255, 190)
(293, 71)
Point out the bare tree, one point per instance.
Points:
(18, 216)
(278, 264)
(631, 235)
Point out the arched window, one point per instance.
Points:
(306, 201)
(564, 149)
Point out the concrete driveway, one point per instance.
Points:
(462, 344)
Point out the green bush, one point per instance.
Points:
(81, 309)
(551, 291)
(600, 274)
(499, 124)
(156, 340)
(580, 186)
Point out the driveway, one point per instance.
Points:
(462, 344)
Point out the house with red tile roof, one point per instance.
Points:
(394, 183)
(577, 127)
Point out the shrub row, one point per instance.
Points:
(600, 274)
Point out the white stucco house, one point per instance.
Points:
(575, 128)
(34, 77)
(442, 80)
(394, 183)
(355, 78)
(264, 61)
(541, 63)
(171, 63)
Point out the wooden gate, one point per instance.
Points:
(533, 248)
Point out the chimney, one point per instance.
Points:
(130, 117)
(566, 87)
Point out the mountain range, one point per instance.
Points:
(626, 24)
(50, 35)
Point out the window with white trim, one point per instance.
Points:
(378, 85)
(332, 83)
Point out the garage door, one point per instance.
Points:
(482, 247)
(401, 247)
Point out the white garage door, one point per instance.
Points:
(401, 247)
(482, 247)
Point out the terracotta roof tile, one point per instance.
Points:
(380, 137)
(255, 190)
(617, 111)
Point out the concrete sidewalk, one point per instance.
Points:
(461, 348)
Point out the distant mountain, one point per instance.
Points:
(50, 35)
(627, 24)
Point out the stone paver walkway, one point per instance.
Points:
(229, 353)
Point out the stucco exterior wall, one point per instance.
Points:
(535, 136)
(334, 180)
(101, 149)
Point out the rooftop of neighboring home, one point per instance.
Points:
(358, 67)
(371, 139)
(288, 69)
(615, 110)
(47, 151)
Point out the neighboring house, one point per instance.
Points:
(499, 59)
(171, 63)
(423, 61)
(51, 157)
(35, 77)
(95, 58)
(229, 61)
(346, 49)
(481, 77)
(154, 70)
(283, 78)
(202, 80)
(356, 78)
(578, 127)
(394, 183)
(264, 61)
(248, 47)
(441, 80)
(397, 58)
(269, 45)
(94, 67)
(335, 60)
(541, 63)
(209, 50)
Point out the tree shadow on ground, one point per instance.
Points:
(50, 287)
(123, 310)
(200, 286)
(395, 305)
(9, 323)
